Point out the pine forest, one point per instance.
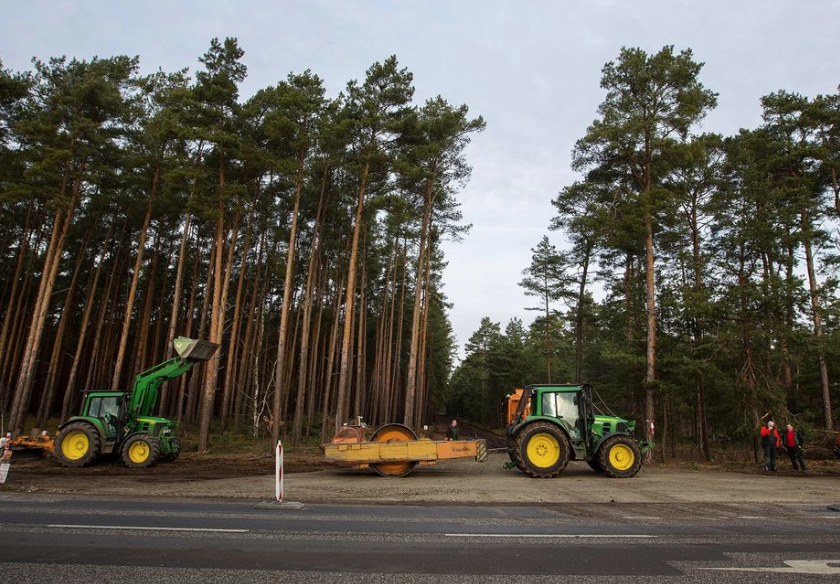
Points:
(690, 277)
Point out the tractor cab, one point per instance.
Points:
(107, 407)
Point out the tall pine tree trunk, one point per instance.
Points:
(816, 316)
(411, 376)
(52, 259)
(297, 423)
(349, 302)
(285, 309)
(132, 290)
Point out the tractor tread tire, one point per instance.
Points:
(94, 440)
(604, 457)
(512, 454)
(521, 449)
(150, 460)
(174, 453)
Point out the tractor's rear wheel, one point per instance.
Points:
(394, 433)
(513, 455)
(620, 456)
(542, 450)
(174, 450)
(78, 444)
(140, 451)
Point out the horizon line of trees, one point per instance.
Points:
(300, 232)
(716, 260)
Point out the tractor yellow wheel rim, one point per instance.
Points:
(75, 445)
(138, 452)
(621, 457)
(543, 450)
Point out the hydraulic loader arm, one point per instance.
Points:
(144, 395)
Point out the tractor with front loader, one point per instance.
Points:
(549, 425)
(119, 422)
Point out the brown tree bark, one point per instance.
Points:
(177, 291)
(411, 375)
(341, 405)
(194, 391)
(312, 270)
(816, 317)
(45, 407)
(285, 308)
(83, 328)
(230, 367)
(135, 279)
(331, 352)
(52, 259)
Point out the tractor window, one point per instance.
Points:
(100, 407)
(549, 407)
(562, 405)
(567, 408)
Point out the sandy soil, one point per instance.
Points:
(309, 479)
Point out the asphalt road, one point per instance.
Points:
(51, 539)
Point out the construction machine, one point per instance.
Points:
(119, 422)
(549, 425)
(394, 449)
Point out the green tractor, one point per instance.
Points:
(118, 422)
(548, 425)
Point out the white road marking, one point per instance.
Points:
(549, 535)
(794, 567)
(131, 528)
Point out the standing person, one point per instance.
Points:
(771, 441)
(452, 431)
(793, 443)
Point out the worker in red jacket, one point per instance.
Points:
(771, 441)
(793, 441)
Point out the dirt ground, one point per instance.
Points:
(308, 478)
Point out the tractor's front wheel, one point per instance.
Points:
(542, 450)
(140, 451)
(78, 444)
(620, 456)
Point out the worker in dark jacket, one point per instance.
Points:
(452, 431)
(792, 440)
(771, 442)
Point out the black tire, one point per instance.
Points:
(175, 450)
(78, 444)
(140, 451)
(595, 465)
(542, 450)
(512, 454)
(620, 457)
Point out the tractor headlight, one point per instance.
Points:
(167, 430)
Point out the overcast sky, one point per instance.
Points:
(531, 69)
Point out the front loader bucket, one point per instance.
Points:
(194, 350)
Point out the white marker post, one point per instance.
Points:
(278, 502)
(278, 472)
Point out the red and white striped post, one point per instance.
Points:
(278, 472)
